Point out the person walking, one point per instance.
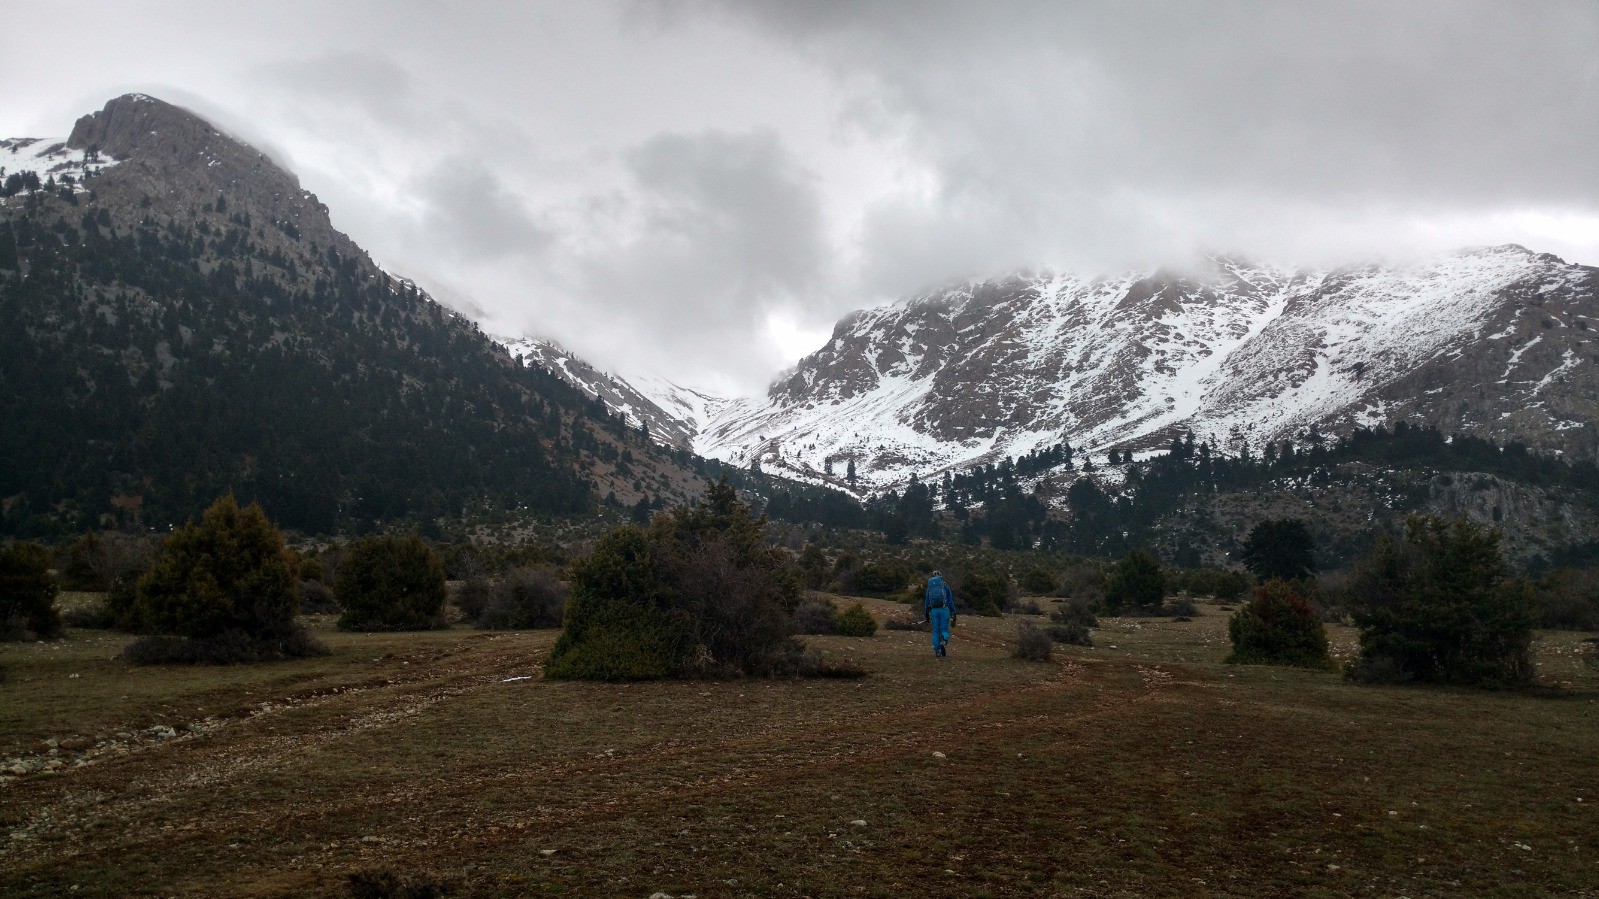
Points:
(939, 603)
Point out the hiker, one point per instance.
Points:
(940, 607)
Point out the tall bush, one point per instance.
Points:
(698, 592)
(1280, 548)
(221, 590)
(390, 583)
(1135, 584)
(1440, 606)
(1278, 627)
(984, 591)
(27, 594)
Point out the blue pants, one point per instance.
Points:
(939, 619)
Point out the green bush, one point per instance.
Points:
(1037, 581)
(1223, 585)
(230, 572)
(698, 592)
(390, 583)
(880, 578)
(1278, 627)
(1441, 607)
(813, 567)
(1136, 584)
(984, 591)
(220, 591)
(855, 621)
(27, 594)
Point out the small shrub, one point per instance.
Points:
(1079, 612)
(527, 599)
(316, 598)
(855, 621)
(1225, 586)
(27, 594)
(1070, 634)
(815, 615)
(1180, 607)
(1084, 580)
(1590, 653)
(1037, 581)
(1278, 627)
(390, 583)
(1032, 643)
(87, 617)
(1025, 607)
(880, 578)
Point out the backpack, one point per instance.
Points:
(936, 595)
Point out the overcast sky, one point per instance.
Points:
(699, 189)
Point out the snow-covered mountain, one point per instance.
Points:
(674, 414)
(1492, 341)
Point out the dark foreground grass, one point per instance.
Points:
(1142, 767)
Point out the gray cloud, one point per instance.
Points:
(654, 182)
(721, 227)
(1089, 133)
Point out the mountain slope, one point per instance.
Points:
(1492, 342)
(178, 317)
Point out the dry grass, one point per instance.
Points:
(1142, 767)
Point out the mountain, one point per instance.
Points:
(179, 318)
(673, 414)
(1492, 342)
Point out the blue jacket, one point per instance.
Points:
(937, 589)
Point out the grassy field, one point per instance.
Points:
(1141, 767)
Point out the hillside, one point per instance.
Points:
(179, 318)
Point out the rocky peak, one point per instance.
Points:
(136, 124)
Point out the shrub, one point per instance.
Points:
(698, 592)
(1032, 643)
(815, 615)
(316, 598)
(96, 561)
(1222, 585)
(1135, 584)
(390, 583)
(813, 567)
(1281, 549)
(984, 591)
(855, 621)
(1180, 607)
(1071, 623)
(1440, 606)
(1568, 599)
(1278, 627)
(27, 594)
(880, 578)
(528, 598)
(473, 595)
(1075, 612)
(227, 579)
(1025, 607)
(1084, 580)
(1038, 581)
(1070, 634)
